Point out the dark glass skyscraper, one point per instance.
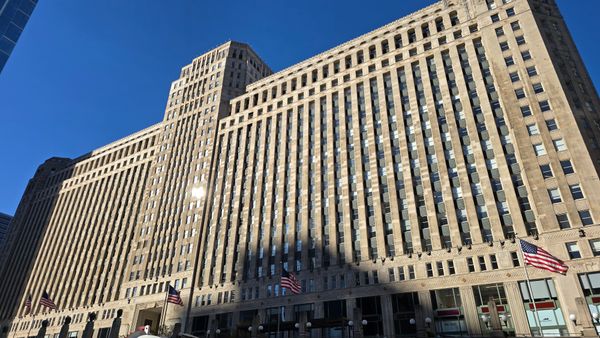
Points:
(14, 15)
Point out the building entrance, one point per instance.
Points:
(149, 317)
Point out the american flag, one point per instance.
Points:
(174, 296)
(28, 304)
(47, 302)
(540, 258)
(289, 281)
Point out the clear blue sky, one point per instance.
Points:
(85, 73)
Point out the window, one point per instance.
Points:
(538, 88)
(551, 125)
(451, 270)
(440, 268)
(499, 31)
(525, 111)
(573, 250)
(504, 46)
(391, 275)
(586, 217)
(482, 265)
(576, 191)
(520, 40)
(429, 269)
(510, 11)
(526, 55)
(494, 262)
(554, 194)
(563, 221)
(495, 18)
(595, 245)
(515, 25)
(509, 61)
(532, 71)
(532, 129)
(470, 264)
(546, 171)
(514, 77)
(539, 149)
(520, 93)
(559, 144)
(544, 106)
(401, 273)
(411, 272)
(567, 167)
(515, 259)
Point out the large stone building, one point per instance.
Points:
(4, 226)
(392, 174)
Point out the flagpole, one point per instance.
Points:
(535, 310)
(163, 312)
(278, 317)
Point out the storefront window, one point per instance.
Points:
(403, 306)
(549, 312)
(590, 283)
(371, 311)
(485, 293)
(449, 317)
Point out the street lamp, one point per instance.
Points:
(596, 317)
(297, 325)
(350, 328)
(308, 325)
(412, 321)
(427, 321)
(218, 331)
(364, 322)
(504, 318)
(260, 328)
(249, 328)
(486, 320)
(573, 318)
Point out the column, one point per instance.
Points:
(388, 315)
(470, 310)
(517, 310)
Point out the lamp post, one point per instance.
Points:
(427, 322)
(350, 329)
(573, 318)
(596, 317)
(486, 321)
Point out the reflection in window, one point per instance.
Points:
(549, 309)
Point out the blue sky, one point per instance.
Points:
(85, 73)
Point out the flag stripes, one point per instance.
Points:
(289, 281)
(47, 302)
(174, 296)
(541, 259)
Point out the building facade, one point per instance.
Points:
(14, 15)
(393, 175)
(4, 225)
